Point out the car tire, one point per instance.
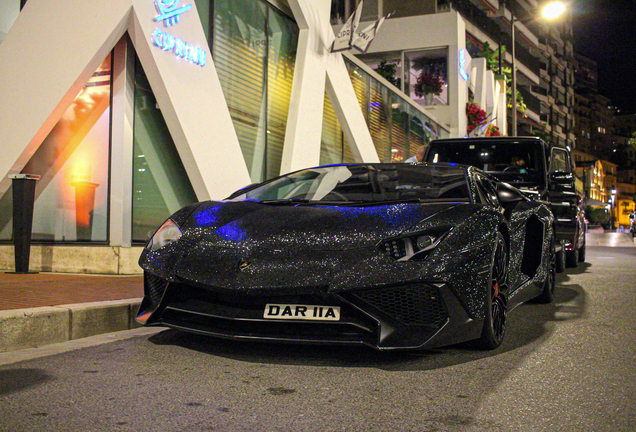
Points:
(549, 285)
(571, 258)
(494, 328)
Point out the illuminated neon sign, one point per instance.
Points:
(170, 14)
(182, 49)
(462, 62)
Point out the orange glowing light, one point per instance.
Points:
(84, 202)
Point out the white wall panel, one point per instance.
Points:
(51, 52)
(314, 63)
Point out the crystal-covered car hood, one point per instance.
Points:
(254, 247)
(249, 225)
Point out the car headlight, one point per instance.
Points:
(413, 246)
(166, 234)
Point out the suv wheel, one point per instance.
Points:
(571, 258)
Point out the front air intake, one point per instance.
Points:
(155, 287)
(417, 304)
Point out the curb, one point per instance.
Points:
(34, 327)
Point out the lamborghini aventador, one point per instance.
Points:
(392, 256)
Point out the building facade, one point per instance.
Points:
(161, 106)
(157, 109)
(543, 55)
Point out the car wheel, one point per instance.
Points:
(582, 253)
(496, 311)
(571, 257)
(547, 295)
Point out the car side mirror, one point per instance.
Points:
(562, 178)
(508, 194)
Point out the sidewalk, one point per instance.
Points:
(610, 239)
(44, 308)
(19, 291)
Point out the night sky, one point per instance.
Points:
(605, 31)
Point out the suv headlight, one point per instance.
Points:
(413, 246)
(166, 234)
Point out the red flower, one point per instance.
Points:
(475, 114)
(427, 84)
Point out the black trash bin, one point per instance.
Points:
(23, 201)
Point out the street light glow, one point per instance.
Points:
(553, 10)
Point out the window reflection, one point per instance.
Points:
(72, 195)
(160, 183)
(254, 50)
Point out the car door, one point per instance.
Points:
(488, 188)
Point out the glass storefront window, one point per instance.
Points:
(204, 7)
(397, 128)
(427, 76)
(281, 57)
(387, 65)
(332, 141)
(378, 119)
(254, 50)
(71, 203)
(400, 150)
(160, 183)
(240, 56)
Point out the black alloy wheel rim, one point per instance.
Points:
(498, 302)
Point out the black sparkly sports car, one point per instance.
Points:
(385, 255)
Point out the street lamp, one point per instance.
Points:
(553, 10)
(550, 11)
(613, 207)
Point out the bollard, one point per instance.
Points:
(23, 200)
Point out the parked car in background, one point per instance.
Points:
(540, 170)
(392, 256)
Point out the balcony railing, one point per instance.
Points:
(490, 27)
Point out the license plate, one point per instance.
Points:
(302, 312)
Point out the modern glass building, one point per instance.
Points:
(104, 185)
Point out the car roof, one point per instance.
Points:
(437, 164)
(491, 139)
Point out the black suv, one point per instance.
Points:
(533, 166)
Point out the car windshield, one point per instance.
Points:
(364, 183)
(519, 163)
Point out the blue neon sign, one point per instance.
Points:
(170, 14)
(462, 62)
(179, 48)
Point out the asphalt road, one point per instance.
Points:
(569, 366)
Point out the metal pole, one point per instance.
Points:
(514, 76)
(500, 56)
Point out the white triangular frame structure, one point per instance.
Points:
(53, 49)
(318, 70)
